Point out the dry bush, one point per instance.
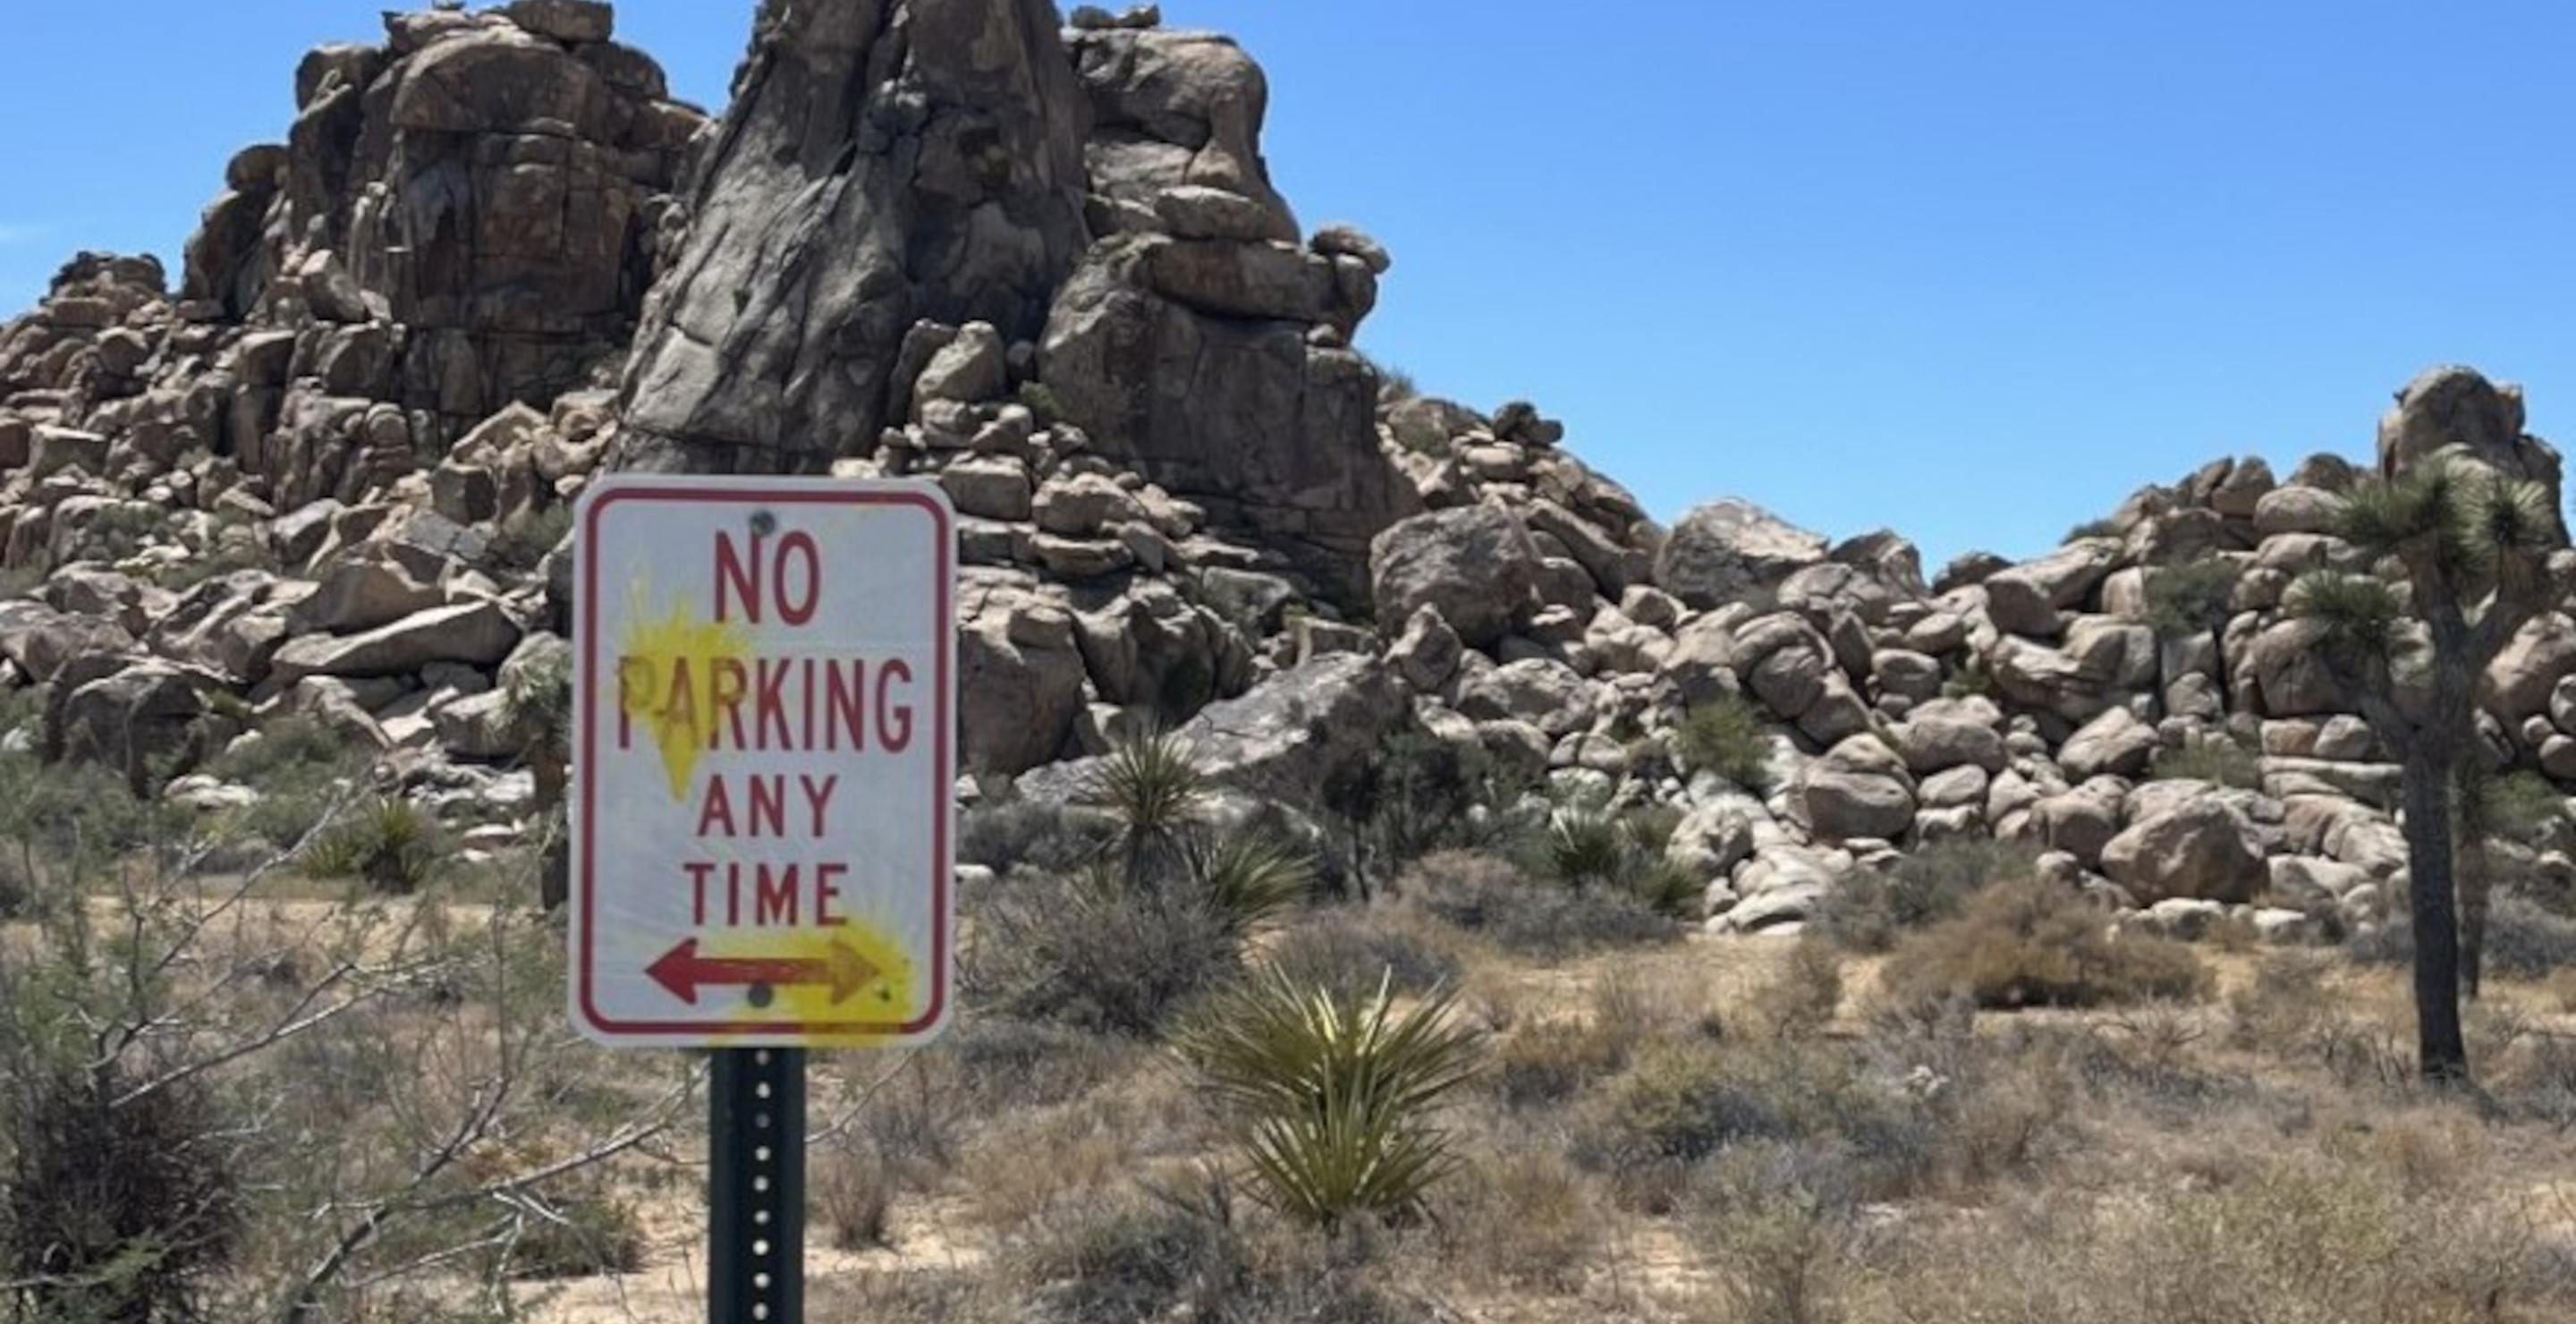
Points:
(1095, 952)
(2296, 1241)
(1524, 1217)
(1346, 950)
(1799, 1000)
(854, 1192)
(114, 1208)
(2027, 943)
(1020, 1174)
(1877, 906)
(1546, 1062)
(582, 1232)
(1682, 1104)
(1487, 896)
(2287, 1006)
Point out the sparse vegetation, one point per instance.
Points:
(2215, 759)
(2028, 943)
(1878, 906)
(1726, 736)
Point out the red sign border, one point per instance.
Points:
(847, 492)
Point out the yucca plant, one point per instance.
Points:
(1250, 878)
(1151, 785)
(1586, 845)
(1335, 1091)
(390, 844)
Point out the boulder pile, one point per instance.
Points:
(1044, 266)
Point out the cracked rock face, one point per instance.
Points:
(885, 161)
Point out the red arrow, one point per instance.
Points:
(840, 968)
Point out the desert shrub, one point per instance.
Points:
(1150, 786)
(582, 1232)
(2106, 527)
(391, 845)
(1414, 794)
(2296, 1240)
(1726, 736)
(1134, 1257)
(2216, 759)
(1489, 897)
(2028, 943)
(1876, 906)
(1348, 950)
(1798, 1000)
(996, 1064)
(524, 542)
(1096, 951)
(1008, 834)
(854, 1192)
(2190, 598)
(1545, 1062)
(1781, 1243)
(1525, 1216)
(1335, 1092)
(303, 772)
(2525, 940)
(117, 1205)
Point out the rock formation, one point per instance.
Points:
(1047, 270)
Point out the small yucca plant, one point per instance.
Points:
(1151, 785)
(1335, 1091)
(1249, 878)
(391, 844)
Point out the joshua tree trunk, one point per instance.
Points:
(2472, 883)
(2442, 1055)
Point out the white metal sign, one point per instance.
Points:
(763, 751)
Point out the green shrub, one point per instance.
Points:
(2106, 527)
(2215, 759)
(1490, 897)
(1726, 736)
(391, 845)
(1051, 838)
(1414, 794)
(1335, 1092)
(1096, 951)
(2028, 943)
(1876, 906)
(2190, 599)
(117, 1205)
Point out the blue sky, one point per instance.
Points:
(1972, 271)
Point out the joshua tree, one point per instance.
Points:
(2468, 549)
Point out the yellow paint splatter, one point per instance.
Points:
(665, 680)
(884, 1000)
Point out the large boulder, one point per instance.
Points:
(477, 634)
(2201, 848)
(1285, 739)
(883, 161)
(1730, 550)
(1018, 655)
(1474, 565)
(2455, 406)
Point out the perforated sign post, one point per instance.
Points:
(764, 746)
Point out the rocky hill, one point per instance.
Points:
(327, 475)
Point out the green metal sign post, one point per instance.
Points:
(756, 1187)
